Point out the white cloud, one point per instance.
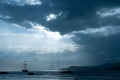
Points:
(102, 31)
(23, 2)
(40, 40)
(5, 17)
(53, 16)
(109, 12)
(33, 2)
(39, 28)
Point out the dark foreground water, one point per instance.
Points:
(59, 76)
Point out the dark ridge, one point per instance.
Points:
(106, 67)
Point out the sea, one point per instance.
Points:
(48, 75)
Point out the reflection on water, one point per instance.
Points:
(58, 76)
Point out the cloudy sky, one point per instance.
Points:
(52, 34)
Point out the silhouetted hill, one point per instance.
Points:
(107, 66)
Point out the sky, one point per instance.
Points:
(54, 34)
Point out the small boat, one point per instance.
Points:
(25, 68)
(30, 73)
(3, 72)
(66, 72)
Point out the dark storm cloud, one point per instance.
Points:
(84, 8)
(82, 13)
(21, 13)
(77, 14)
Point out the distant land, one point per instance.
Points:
(103, 67)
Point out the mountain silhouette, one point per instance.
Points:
(107, 67)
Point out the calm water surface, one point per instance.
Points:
(57, 76)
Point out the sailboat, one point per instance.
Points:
(25, 67)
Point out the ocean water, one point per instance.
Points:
(59, 76)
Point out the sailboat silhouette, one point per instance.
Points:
(25, 67)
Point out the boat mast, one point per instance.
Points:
(25, 67)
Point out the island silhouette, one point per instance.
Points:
(105, 69)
